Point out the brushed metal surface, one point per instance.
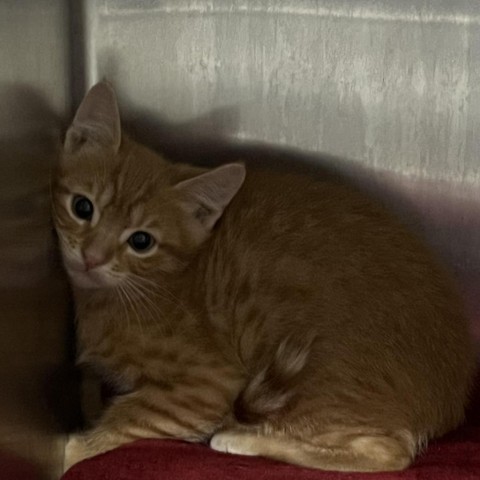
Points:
(391, 87)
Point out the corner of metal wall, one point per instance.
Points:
(77, 51)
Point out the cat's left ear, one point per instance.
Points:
(206, 196)
(96, 123)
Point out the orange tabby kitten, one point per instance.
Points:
(265, 313)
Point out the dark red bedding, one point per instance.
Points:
(456, 457)
(16, 468)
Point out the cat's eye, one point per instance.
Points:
(82, 207)
(141, 241)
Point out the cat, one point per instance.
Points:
(265, 313)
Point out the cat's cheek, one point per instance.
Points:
(72, 265)
(71, 257)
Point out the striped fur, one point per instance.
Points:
(276, 315)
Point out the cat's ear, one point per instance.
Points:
(96, 123)
(206, 196)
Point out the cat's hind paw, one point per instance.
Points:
(234, 441)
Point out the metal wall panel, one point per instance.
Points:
(391, 87)
(34, 95)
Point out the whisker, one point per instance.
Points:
(150, 306)
(136, 303)
(175, 300)
(132, 304)
(120, 292)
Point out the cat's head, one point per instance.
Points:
(123, 212)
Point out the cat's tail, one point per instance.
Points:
(275, 386)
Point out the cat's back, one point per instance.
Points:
(306, 254)
(289, 233)
(314, 217)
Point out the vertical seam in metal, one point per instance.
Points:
(76, 51)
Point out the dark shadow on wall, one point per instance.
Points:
(432, 208)
(34, 325)
(208, 141)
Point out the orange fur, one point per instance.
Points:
(276, 315)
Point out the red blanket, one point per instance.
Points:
(456, 457)
(16, 468)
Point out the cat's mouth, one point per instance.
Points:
(87, 279)
(94, 278)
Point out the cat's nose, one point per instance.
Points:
(92, 259)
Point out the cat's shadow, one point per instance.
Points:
(209, 141)
(433, 208)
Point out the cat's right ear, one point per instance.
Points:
(96, 123)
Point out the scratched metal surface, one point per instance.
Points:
(391, 87)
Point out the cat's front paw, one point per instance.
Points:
(75, 451)
(233, 441)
